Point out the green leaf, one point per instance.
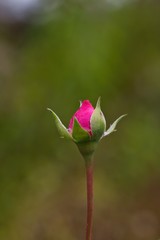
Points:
(61, 128)
(79, 134)
(113, 126)
(98, 122)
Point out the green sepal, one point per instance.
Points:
(113, 126)
(98, 123)
(78, 133)
(61, 128)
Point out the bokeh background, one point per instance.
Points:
(53, 54)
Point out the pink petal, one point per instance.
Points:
(83, 115)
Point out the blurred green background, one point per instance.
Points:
(54, 58)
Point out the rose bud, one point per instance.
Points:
(86, 128)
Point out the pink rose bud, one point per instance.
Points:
(88, 123)
(83, 116)
(86, 127)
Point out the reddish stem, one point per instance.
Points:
(89, 179)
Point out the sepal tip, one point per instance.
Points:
(113, 126)
(61, 128)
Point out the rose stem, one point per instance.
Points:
(89, 182)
